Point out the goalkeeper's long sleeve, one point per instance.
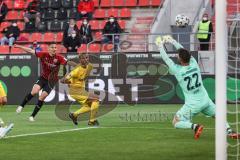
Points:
(176, 44)
(172, 66)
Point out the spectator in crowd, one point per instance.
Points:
(32, 13)
(69, 28)
(72, 43)
(112, 27)
(11, 33)
(36, 46)
(85, 9)
(3, 11)
(85, 32)
(205, 30)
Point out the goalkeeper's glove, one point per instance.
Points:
(168, 39)
(159, 41)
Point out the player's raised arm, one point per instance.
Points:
(169, 39)
(177, 45)
(26, 49)
(172, 66)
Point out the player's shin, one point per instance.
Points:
(83, 109)
(94, 110)
(27, 98)
(37, 108)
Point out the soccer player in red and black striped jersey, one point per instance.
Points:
(50, 63)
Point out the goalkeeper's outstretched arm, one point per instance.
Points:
(172, 66)
(176, 44)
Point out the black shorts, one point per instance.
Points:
(45, 85)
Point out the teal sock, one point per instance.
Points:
(184, 125)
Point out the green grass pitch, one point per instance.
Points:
(125, 134)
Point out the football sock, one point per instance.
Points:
(184, 125)
(194, 126)
(26, 99)
(83, 109)
(37, 108)
(94, 110)
(229, 130)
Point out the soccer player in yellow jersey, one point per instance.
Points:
(76, 82)
(3, 101)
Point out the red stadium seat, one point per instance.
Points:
(19, 4)
(94, 48)
(4, 49)
(4, 25)
(122, 24)
(98, 36)
(144, 3)
(231, 9)
(99, 13)
(106, 3)
(79, 23)
(102, 24)
(96, 3)
(36, 37)
(9, 4)
(94, 24)
(20, 15)
(59, 37)
(12, 15)
(131, 3)
(156, 3)
(112, 12)
(61, 49)
(17, 51)
(125, 13)
(107, 48)
(44, 47)
(232, 1)
(118, 3)
(49, 37)
(21, 25)
(83, 48)
(23, 38)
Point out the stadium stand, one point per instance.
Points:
(55, 15)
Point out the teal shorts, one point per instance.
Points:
(187, 112)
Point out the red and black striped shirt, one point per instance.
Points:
(50, 65)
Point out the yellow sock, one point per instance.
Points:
(94, 110)
(83, 109)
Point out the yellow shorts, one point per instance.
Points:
(2, 92)
(79, 94)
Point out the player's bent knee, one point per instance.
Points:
(36, 88)
(43, 96)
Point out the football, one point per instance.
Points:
(182, 20)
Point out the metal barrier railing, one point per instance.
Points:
(145, 42)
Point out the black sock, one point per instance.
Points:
(37, 108)
(28, 97)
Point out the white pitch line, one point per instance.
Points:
(43, 133)
(86, 128)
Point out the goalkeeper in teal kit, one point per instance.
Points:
(189, 78)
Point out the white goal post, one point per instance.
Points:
(221, 78)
